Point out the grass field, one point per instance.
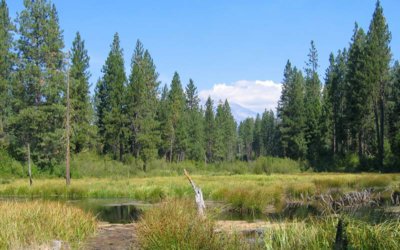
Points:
(253, 192)
(244, 192)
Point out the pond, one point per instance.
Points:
(112, 210)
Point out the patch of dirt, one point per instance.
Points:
(113, 236)
(236, 226)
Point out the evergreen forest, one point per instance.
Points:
(345, 120)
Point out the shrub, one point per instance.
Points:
(9, 166)
(273, 165)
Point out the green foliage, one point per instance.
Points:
(246, 135)
(10, 167)
(209, 129)
(312, 106)
(6, 45)
(39, 111)
(81, 109)
(224, 134)
(114, 117)
(196, 149)
(351, 125)
(176, 101)
(272, 165)
(141, 102)
(291, 114)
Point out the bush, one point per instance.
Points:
(9, 166)
(273, 165)
(90, 164)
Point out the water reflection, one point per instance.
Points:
(113, 210)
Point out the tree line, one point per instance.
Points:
(350, 122)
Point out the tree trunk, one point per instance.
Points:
(29, 165)
(382, 128)
(360, 145)
(377, 127)
(170, 151)
(201, 206)
(121, 151)
(67, 155)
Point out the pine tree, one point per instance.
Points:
(195, 123)
(269, 134)
(246, 134)
(357, 94)
(165, 125)
(142, 103)
(101, 106)
(6, 65)
(115, 118)
(258, 146)
(219, 149)
(230, 133)
(326, 122)
(312, 105)
(209, 129)
(79, 95)
(394, 113)
(178, 136)
(377, 63)
(41, 83)
(291, 114)
(336, 96)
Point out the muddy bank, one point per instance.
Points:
(113, 236)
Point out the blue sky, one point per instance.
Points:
(226, 42)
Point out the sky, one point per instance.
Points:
(231, 49)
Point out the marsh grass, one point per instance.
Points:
(175, 224)
(36, 223)
(318, 234)
(244, 192)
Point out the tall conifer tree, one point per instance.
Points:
(209, 129)
(378, 65)
(142, 105)
(79, 94)
(41, 78)
(6, 64)
(115, 118)
(312, 105)
(195, 123)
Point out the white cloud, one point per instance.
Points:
(255, 95)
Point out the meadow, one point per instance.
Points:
(267, 186)
(246, 192)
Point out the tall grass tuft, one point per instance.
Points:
(175, 224)
(24, 224)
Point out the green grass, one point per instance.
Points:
(91, 164)
(37, 223)
(175, 224)
(249, 192)
(318, 234)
